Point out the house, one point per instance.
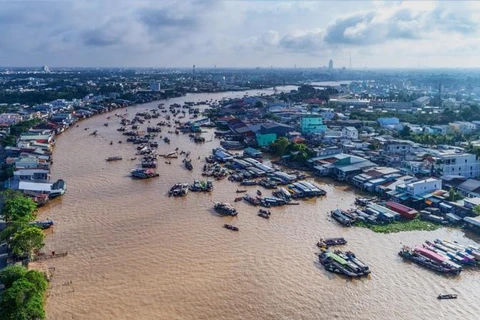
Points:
(342, 167)
(423, 186)
(454, 162)
(470, 188)
(462, 127)
(350, 133)
(388, 122)
(312, 123)
(32, 175)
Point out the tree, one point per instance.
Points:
(452, 194)
(476, 210)
(11, 274)
(406, 131)
(17, 207)
(279, 146)
(24, 294)
(27, 240)
(259, 105)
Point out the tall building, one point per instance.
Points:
(155, 86)
(46, 69)
(330, 64)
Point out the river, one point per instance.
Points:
(135, 253)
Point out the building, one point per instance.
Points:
(155, 86)
(342, 167)
(350, 133)
(462, 127)
(10, 118)
(264, 140)
(330, 64)
(423, 186)
(452, 162)
(470, 188)
(388, 122)
(312, 123)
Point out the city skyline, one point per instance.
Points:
(363, 34)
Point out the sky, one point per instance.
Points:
(236, 33)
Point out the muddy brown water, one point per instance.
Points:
(135, 253)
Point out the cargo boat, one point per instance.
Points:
(423, 261)
(342, 217)
(343, 264)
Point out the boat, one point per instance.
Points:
(342, 217)
(264, 213)
(251, 200)
(259, 192)
(167, 140)
(58, 188)
(188, 165)
(144, 173)
(331, 242)
(225, 209)
(237, 199)
(447, 296)
(346, 264)
(45, 224)
(230, 227)
(241, 191)
(178, 190)
(423, 261)
(114, 158)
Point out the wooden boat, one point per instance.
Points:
(114, 158)
(230, 227)
(241, 191)
(238, 199)
(259, 192)
(447, 296)
(331, 242)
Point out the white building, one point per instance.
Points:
(449, 162)
(10, 118)
(423, 186)
(350, 133)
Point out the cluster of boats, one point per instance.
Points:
(345, 218)
(201, 186)
(443, 256)
(178, 190)
(225, 209)
(214, 170)
(345, 263)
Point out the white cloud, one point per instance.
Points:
(236, 33)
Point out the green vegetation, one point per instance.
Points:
(476, 210)
(17, 207)
(400, 226)
(24, 294)
(18, 211)
(298, 152)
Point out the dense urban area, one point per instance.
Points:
(407, 140)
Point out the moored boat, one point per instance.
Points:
(143, 173)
